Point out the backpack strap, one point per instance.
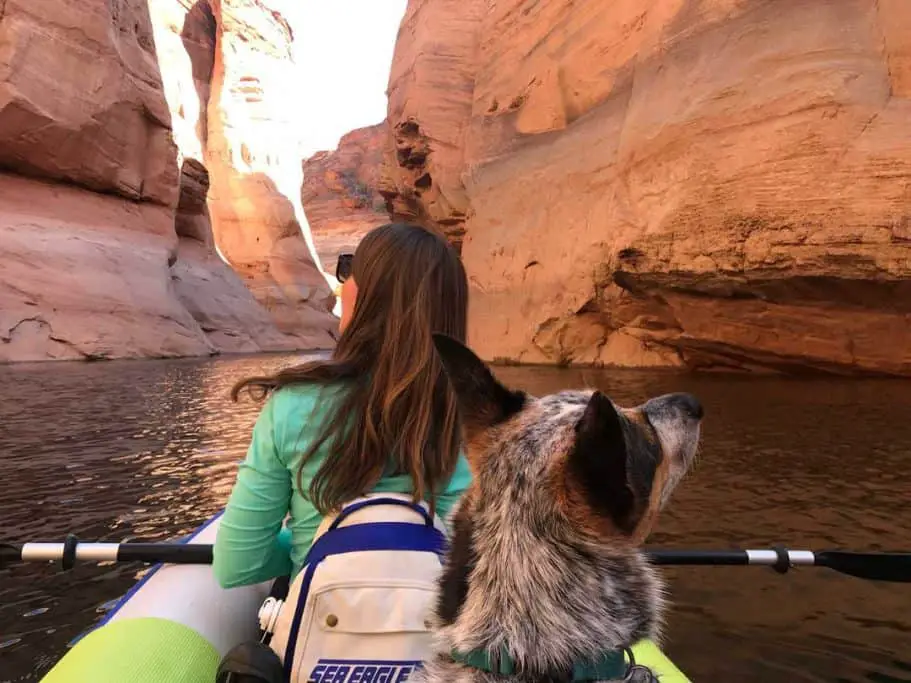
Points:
(354, 507)
(402, 536)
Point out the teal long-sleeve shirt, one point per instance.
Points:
(251, 546)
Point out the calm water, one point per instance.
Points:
(148, 450)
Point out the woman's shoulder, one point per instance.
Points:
(294, 404)
(306, 392)
(293, 413)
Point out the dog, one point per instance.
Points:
(543, 579)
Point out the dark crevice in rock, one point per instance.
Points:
(630, 255)
(593, 305)
(414, 189)
(192, 217)
(884, 295)
(199, 39)
(410, 158)
(409, 127)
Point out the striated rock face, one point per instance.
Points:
(430, 113)
(106, 248)
(80, 98)
(340, 192)
(86, 275)
(699, 183)
(185, 50)
(255, 166)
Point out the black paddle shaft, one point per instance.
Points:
(175, 553)
(699, 557)
(881, 566)
(197, 553)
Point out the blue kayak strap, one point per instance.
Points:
(401, 536)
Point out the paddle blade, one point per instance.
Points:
(873, 566)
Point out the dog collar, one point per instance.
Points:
(610, 665)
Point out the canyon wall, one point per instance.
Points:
(119, 151)
(700, 183)
(341, 192)
(431, 86)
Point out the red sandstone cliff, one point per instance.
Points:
(340, 192)
(701, 183)
(140, 138)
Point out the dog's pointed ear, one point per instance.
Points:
(598, 461)
(483, 401)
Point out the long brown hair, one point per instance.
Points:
(399, 413)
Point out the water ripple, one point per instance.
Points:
(148, 450)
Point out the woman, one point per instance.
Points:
(378, 416)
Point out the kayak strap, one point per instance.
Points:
(359, 538)
(610, 665)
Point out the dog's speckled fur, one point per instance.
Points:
(543, 558)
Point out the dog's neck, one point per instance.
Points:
(546, 596)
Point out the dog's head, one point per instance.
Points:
(607, 471)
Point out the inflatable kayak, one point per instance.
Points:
(176, 624)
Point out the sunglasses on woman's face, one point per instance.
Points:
(343, 267)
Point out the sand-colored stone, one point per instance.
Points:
(86, 275)
(706, 183)
(225, 309)
(430, 104)
(80, 97)
(340, 192)
(254, 163)
(185, 48)
(108, 252)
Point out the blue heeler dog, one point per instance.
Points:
(543, 580)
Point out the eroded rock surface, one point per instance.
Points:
(254, 166)
(86, 275)
(340, 192)
(106, 247)
(80, 98)
(700, 183)
(431, 86)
